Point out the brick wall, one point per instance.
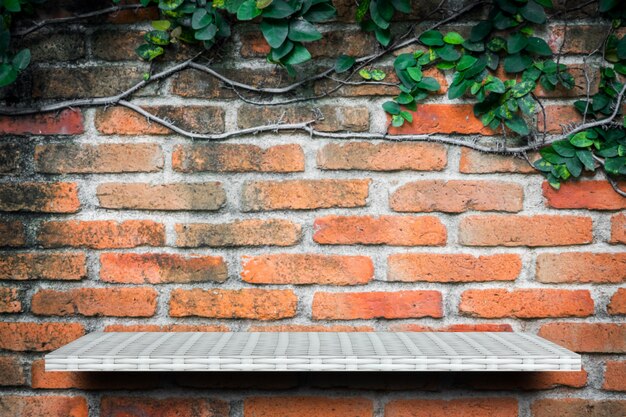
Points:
(112, 223)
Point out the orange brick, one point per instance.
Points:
(34, 265)
(67, 122)
(165, 328)
(558, 117)
(466, 407)
(115, 302)
(308, 328)
(42, 197)
(303, 194)
(455, 196)
(615, 376)
(12, 234)
(335, 118)
(581, 267)
(252, 232)
(443, 118)
(593, 195)
(11, 371)
(526, 303)
(38, 337)
(577, 407)
(231, 304)
(587, 337)
(411, 267)
(476, 162)
(477, 327)
(287, 268)
(618, 228)
(385, 230)
(382, 156)
(173, 406)
(157, 268)
(617, 305)
(48, 406)
(370, 305)
(10, 300)
(539, 230)
(101, 234)
(307, 407)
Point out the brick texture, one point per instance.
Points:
(617, 304)
(67, 122)
(54, 266)
(253, 232)
(475, 162)
(10, 300)
(443, 118)
(470, 407)
(147, 406)
(101, 234)
(355, 119)
(60, 197)
(11, 371)
(577, 407)
(587, 337)
(44, 405)
(595, 195)
(618, 229)
(581, 267)
(307, 407)
(615, 376)
(12, 234)
(38, 337)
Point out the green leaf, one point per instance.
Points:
(480, 31)
(343, 63)
(550, 155)
(362, 9)
(564, 148)
(407, 116)
(404, 98)
(495, 85)
(581, 140)
(453, 38)
(376, 7)
(465, 62)
(523, 88)
(397, 120)
(448, 53)
(391, 107)
(200, 19)
(248, 10)
(554, 181)
(274, 31)
(404, 61)
(533, 12)
(586, 158)
(207, 33)
(538, 46)
(517, 125)
(516, 43)
(429, 84)
(161, 24)
(12, 5)
(278, 53)
(574, 166)
(545, 3)
(615, 166)
(516, 63)
(8, 74)
(279, 9)
(320, 13)
(149, 52)
(543, 165)
(383, 36)
(298, 55)
(456, 91)
(169, 4)
(621, 48)
(232, 5)
(606, 5)
(432, 38)
(262, 4)
(157, 37)
(303, 31)
(415, 73)
(378, 75)
(527, 104)
(365, 74)
(21, 59)
(403, 6)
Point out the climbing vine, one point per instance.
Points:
(498, 64)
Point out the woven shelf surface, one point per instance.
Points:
(331, 351)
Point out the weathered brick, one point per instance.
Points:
(11, 371)
(618, 228)
(577, 407)
(172, 196)
(115, 45)
(303, 194)
(252, 232)
(576, 38)
(38, 265)
(101, 234)
(165, 328)
(456, 196)
(581, 267)
(308, 328)
(10, 300)
(115, 302)
(430, 267)
(169, 406)
(237, 158)
(158, 268)
(40, 406)
(477, 327)
(587, 337)
(594, 195)
(66, 122)
(98, 159)
(355, 119)
(443, 118)
(476, 162)
(539, 230)
(12, 234)
(54, 46)
(385, 230)
(307, 407)
(615, 376)
(466, 407)
(123, 121)
(382, 156)
(38, 337)
(527, 381)
(39, 197)
(617, 305)
(370, 305)
(558, 117)
(288, 268)
(526, 303)
(140, 14)
(245, 303)
(11, 155)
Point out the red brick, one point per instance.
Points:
(308, 328)
(288, 268)
(443, 118)
(304, 194)
(10, 300)
(231, 304)
(38, 337)
(59, 45)
(335, 118)
(411, 267)
(223, 157)
(168, 197)
(593, 195)
(526, 303)
(615, 376)
(477, 327)
(466, 407)
(527, 381)
(162, 407)
(12, 234)
(587, 337)
(11, 371)
(307, 407)
(558, 117)
(123, 121)
(165, 328)
(383, 230)
(67, 122)
(252, 232)
(11, 157)
(476, 162)
(101, 234)
(618, 228)
(577, 407)
(57, 266)
(158, 268)
(382, 156)
(456, 196)
(617, 305)
(578, 38)
(98, 159)
(115, 45)
(44, 406)
(581, 267)
(114, 302)
(370, 305)
(539, 230)
(141, 14)
(39, 197)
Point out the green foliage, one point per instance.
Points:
(381, 12)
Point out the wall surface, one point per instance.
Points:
(112, 223)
